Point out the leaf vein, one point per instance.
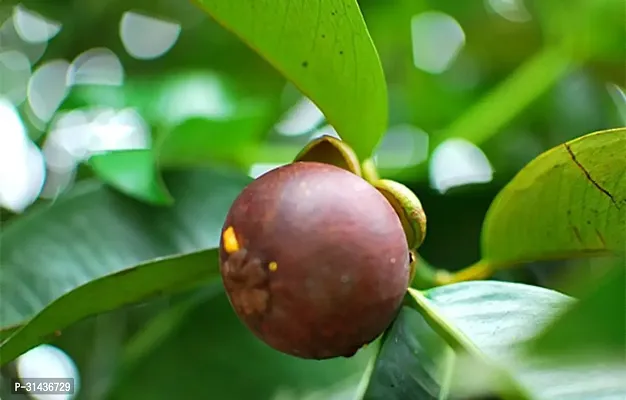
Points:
(588, 176)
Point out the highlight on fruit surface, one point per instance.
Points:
(314, 260)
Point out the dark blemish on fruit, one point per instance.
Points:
(341, 52)
(305, 64)
(247, 281)
(323, 36)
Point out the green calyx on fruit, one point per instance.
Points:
(330, 150)
(370, 173)
(333, 151)
(408, 207)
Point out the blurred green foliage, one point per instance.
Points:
(527, 78)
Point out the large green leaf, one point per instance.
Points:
(93, 232)
(216, 356)
(408, 365)
(568, 202)
(7, 331)
(128, 286)
(425, 349)
(324, 48)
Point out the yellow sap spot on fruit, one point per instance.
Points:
(231, 244)
(303, 184)
(273, 266)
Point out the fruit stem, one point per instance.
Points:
(428, 276)
(369, 170)
(477, 271)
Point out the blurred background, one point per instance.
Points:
(477, 88)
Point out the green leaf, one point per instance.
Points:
(568, 202)
(93, 231)
(202, 141)
(592, 329)
(408, 363)
(484, 322)
(325, 49)
(218, 357)
(132, 172)
(7, 331)
(164, 324)
(128, 286)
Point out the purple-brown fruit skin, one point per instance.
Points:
(342, 260)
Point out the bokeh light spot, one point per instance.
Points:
(11, 40)
(458, 162)
(300, 119)
(403, 146)
(32, 27)
(47, 361)
(512, 10)
(195, 95)
(259, 169)
(47, 88)
(97, 66)
(22, 171)
(145, 37)
(326, 130)
(437, 40)
(76, 135)
(14, 73)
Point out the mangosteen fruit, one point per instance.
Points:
(314, 260)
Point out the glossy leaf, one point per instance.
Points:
(134, 173)
(488, 321)
(100, 345)
(164, 324)
(568, 202)
(217, 356)
(324, 48)
(93, 232)
(408, 363)
(128, 286)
